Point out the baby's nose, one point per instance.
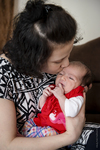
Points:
(63, 78)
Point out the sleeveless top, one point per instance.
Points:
(23, 90)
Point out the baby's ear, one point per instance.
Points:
(86, 88)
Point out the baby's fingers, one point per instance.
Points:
(60, 85)
(51, 87)
(47, 92)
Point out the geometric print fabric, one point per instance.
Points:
(23, 90)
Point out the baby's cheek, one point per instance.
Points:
(57, 81)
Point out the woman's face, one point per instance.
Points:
(59, 58)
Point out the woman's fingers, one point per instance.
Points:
(83, 106)
(86, 88)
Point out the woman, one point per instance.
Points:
(40, 46)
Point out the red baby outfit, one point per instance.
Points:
(51, 113)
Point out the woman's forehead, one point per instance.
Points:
(61, 51)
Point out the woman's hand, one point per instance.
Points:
(86, 88)
(75, 125)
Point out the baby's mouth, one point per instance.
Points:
(62, 84)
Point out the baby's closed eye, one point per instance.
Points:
(71, 78)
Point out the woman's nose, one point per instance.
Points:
(65, 63)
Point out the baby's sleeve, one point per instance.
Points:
(73, 106)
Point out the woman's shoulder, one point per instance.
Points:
(4, 61)
(7, 69)
(8, 74)
(5, 66)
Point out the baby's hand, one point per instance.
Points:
(59, 94)
(47, 91)
(58, 91)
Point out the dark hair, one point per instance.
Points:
(88, 77)
(36, 29)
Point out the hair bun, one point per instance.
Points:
(48, 8)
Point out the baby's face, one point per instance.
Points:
(70, 77)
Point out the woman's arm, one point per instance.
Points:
(10, 141)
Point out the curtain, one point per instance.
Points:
(6, 15)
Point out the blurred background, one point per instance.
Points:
(86, 13)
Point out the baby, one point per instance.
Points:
(65, 97)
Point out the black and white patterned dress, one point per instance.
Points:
(25, 91)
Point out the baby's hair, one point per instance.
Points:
(87, 78)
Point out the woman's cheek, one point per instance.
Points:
(57, 67)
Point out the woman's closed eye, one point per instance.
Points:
(60, 73)
(58, 62)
